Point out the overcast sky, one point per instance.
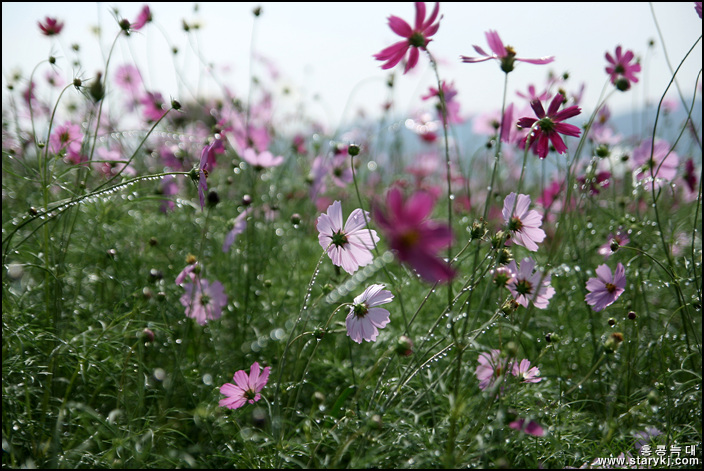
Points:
(325, 50)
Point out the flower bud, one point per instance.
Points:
(148, 335)
(404, 346)
(632, 315)
(353, 150)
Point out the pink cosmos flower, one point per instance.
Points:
(491, 367)
(659, 166)
(240, 224)
(415, 238)
(144, 17)
(525, 373)
(528, 285)
(203, 169)
(246, 388)
(620, 237)
(548, 127)
(67, 136)
(261, 160)
(350, 246)
(527, 426)
(191, 272)
(364, 318)
(51, 26)
(153, 106)
(506, 55)
(204, 301)
(605, 288)
(113, 163)
(532, 94)
(127, 77)
(698, 8)
(452, 106)
(621, 71)
(416, 38)
(523, 224)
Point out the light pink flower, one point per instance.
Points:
(415, 238)
(527, 426)
(67, 136)
(239, 225)
(364, 318)
(506, 55)
(203, 168)
(523, 224)
(620, 69)
(416, 38)
(657, 166)
(204, 301)
(528, 285)
(261, 160)
(127, 77)
(51, 26)
(153, 106)
(491, 367)
(606, 287)
(113, 163)
(525, 373)
(548, 127)
(350, 246)
(246, 388)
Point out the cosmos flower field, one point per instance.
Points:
(193, 282)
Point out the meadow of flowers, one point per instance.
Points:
(196, 282)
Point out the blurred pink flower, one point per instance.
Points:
(153, 106)
(415, 238)
(528, 285)
(204, 167)
(246, 388)
(606, 287)
(506, 55)
(415, 38)
(203, 301)
(620, 238)
(448, 93)
(620, 69)
(527, 426)
(51, 26)
(350, 246)
(113, 163)
(698, 8)
(144, 17)
(522, 223)
(239, 225)
(261, 160)
(548, 127)
(655, 162)
(127, 77)
(364, 318)
(491, 367)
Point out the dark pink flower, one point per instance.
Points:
(203, 168)
(415, 238)
(690, 176)
(452, 106)
(620, 238)
(532, 94)
(364, 318)
(548, 127)
(416, 38)
(506, 55)
(523, 224)
(51, 26)
(246, 388)
(203, 301)
(620, 69)
(606, 287)
(698, 8)
(527, 426)
(529, 285)
(350, 246)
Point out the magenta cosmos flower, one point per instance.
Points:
(261, 160)
(620, 69)
(204, 167)
(606, 287)
(506, 55)
(51, 26)
(415, 238)
(416, 38)
(527, 426)
(365, 318)
(528, 285)
(144, 17)
(548, 127)
(350, 246)
(203, 301)
(698, 8)
(246, 388)
(522, 223)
